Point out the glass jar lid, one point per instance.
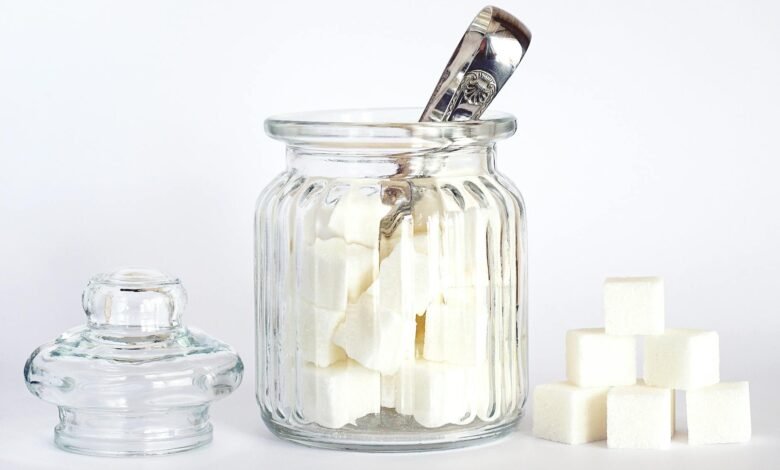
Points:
(134, 380)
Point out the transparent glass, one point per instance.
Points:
(134, 380)
(390, 283)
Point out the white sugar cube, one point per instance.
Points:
(333, 272)
(719, 414)
(634, 305)
(457, 240)
(418, 382)
(569, 414)
(682, 359)
(357, 215)
(338, 395)
(315, 332)
(595, 359)
(377, 334)
(379, 330)
(639, 417)
(434, 393)
(405, 284)
(456, 329)
(435, 399)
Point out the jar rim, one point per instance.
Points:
(385, 127)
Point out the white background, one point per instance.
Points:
(131, 133)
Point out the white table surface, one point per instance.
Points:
(242, 441)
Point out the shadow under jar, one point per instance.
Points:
(390, 283)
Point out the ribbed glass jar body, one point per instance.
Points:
(390, 285)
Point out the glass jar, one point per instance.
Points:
(390, 283)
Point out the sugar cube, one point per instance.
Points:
(333, 272)
(682, 359)
(640, 417)
(719, 414)
(357, 215)
(434, 393)
(339, 394)
(456, 329)
(379, 331)
(420, 377)
(376, 334)
(569, 414)
(315, 332)
(595, 359)
(634, 305)
(405, 283)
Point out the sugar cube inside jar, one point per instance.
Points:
(390, 283)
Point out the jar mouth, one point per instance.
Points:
(385, 128)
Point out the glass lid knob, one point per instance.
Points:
(136, 298)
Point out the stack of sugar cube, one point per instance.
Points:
(396, 322)
(602, 399)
